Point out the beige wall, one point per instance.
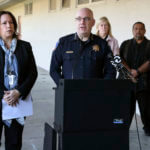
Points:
(44, 27)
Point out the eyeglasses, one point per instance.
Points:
(85, 19)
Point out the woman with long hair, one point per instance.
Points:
(104, 31)
(18, 73)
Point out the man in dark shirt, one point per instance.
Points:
(136, 54)
(81, 55)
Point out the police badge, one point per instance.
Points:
(96, 48)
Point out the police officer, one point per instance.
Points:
(82, 55)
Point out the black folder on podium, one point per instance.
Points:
(93, 114)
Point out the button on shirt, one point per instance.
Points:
(74, 59)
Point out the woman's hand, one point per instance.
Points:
(11, 97)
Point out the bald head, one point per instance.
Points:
(85, 10)
(85, 22)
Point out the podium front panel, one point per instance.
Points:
(92, 105)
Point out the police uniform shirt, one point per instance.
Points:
(75, 59)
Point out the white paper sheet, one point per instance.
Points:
(24, 108)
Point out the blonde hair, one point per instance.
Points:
(104, 19)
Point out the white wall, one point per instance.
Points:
(43, 27)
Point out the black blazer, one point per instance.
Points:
(27, 71)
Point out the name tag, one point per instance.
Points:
(11, 79)
(69, 52)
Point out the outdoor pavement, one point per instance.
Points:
(43, 96)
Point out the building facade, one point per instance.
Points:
(42, 22)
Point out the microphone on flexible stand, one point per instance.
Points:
(117, 63)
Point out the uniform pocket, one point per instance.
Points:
(68, 56)
(92, 55)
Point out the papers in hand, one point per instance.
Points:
(24, 108)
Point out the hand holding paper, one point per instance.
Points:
(11, 97)
(22, 109)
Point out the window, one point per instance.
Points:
(65, 3)
(96, 0)
(83, 2)
(28, 8)
(19, 27)
(52, 5)
(80, 2)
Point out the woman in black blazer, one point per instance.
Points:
(18, 74)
